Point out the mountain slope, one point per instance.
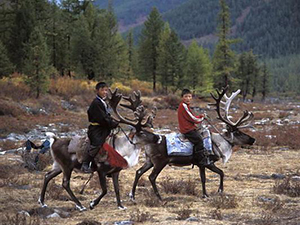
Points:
(131, 13)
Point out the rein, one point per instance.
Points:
(213, 126)
(130, 141)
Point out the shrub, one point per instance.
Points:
(122, 88)
(14, 87)
(67, 87)
(288, 186)
(140, 217)
(183, 213)
(223, 201)
(179, 186)
(20, 219)
(143, 86)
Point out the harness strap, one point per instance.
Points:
(130, 141)
(220, 132)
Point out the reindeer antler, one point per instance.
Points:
(246, 116)
(135, 101)
(114, 99)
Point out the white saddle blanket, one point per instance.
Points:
(177, 145)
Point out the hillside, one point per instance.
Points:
(131, 13)
(270, 28)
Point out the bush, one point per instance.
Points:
(224, 201)
(179, 186)
(288, 186)
(67, 87)
(14, 87)
(183, 213)
(140, 217)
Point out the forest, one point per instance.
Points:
(43, 39)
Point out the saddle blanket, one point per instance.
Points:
(114, 158)
(176, 145)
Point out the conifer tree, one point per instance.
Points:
(223, 56)
(198, 69)
(148, 46)
(265, 81)
(131, 55)
(37, 62)
(6, 67)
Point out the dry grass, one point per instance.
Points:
(183, 212)
(171, 186)
(140, 217)
(288, 186)
(224, 201)
(20, 219)
(278, 136)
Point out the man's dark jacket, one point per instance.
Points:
(97, 113)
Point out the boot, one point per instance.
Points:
(86, 164)
(85, 167)
(205, 161)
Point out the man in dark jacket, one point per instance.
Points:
(101, 124)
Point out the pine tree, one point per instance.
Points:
(6, 67)
(131, 55)
(198, 69)
(37, 62)
(224, 57)
(265, 82)
(149, 41)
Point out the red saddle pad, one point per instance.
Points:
(114, 158)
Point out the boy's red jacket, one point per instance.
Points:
(186, 119)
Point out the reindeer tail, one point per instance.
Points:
(51, 137)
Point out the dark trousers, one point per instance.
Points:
(195, 137)
(97, 136)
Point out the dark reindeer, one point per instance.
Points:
(156, 151)
(66, 161)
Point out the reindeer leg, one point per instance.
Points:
(48, 176)
(203, 180)
(115, 177)
(66, 185)
(154, 174)
(103, 185)
(138, 175)
(215, 169)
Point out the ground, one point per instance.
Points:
(261, 184)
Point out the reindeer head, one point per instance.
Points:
(234, 135)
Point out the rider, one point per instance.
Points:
(101, 124)
(188, 126)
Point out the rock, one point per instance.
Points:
(125, 222)
(192, 219)
(23, 212)
(296, 178)
(277, 176)
(265, 199)
(53, 215)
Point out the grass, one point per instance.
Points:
(288, 186)
(179, 186)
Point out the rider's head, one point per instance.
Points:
(187, 96)
(102, 89)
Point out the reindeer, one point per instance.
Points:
(65, 161)
(156, 150)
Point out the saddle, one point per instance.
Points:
(80, 146)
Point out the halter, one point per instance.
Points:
(130, 141)
(225, 138)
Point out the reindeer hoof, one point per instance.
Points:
(80, 208)
(42, 203)
(205, 196)
(220, 191)
(92, 205)
(122, 207)
(131, 197)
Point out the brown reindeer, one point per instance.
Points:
(65, 161)
(156, 151)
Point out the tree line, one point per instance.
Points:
(74, 38)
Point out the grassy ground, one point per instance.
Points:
(261, 182)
